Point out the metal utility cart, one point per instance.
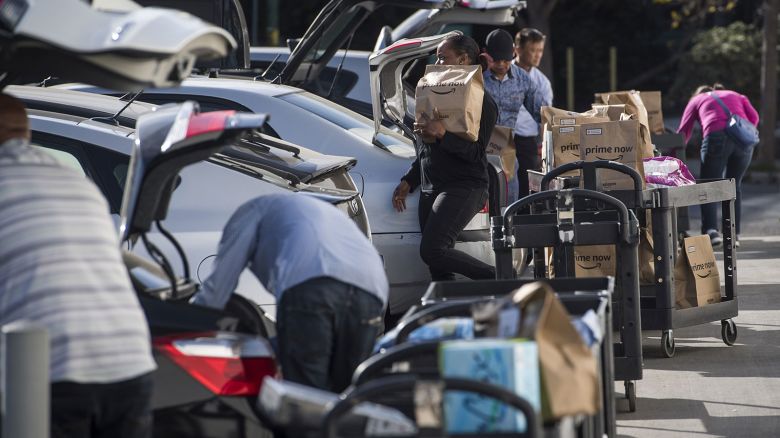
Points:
(658, 299)
(451, 299)
(561, 220)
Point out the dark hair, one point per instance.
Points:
(702, 89)
(528, 35)
(464, 45)
(718, 86)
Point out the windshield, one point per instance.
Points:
(352, 122)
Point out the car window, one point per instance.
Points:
(65, 158)
(106, 168)
(351, 121)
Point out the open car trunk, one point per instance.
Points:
(142, 47)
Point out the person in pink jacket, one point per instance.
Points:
(721, 156)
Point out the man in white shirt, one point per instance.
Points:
(529, 48)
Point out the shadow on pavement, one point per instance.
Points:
(729, 424)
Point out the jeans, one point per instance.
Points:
(721, 156)
(443, 215)
(326, 328)
(527, 152)
(104, 410)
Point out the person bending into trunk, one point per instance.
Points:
(328, 279)
(453, 175)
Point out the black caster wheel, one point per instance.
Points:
(728, 331)
(630, 395)
(667, 343)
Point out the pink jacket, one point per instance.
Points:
(704, 109)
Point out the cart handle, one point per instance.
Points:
(589, 168)
(380, 387)
(368, 368)
(625, 216)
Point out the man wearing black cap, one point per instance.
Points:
(512, 89)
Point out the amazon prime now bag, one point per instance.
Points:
(455, 92)
(613, 141)
(696, 276)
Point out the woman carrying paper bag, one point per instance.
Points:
(451, 170)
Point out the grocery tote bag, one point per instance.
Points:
(569, 373)
(502, 145)
(453, 94)
(696, 276)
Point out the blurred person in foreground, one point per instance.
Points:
(452, 174)
(529, 49)
(721, 156)
(61, 269)
(329, 283)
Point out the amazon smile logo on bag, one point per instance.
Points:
(696, 276)
(594, 261)
(453, 94)
(613, 141)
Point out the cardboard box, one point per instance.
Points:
(511, 364)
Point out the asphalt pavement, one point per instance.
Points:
(709, 389)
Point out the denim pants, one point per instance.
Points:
(326, 328)
(722, 157)
(527, 151)
(443, 215)
(102, 410)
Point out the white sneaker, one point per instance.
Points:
(736, 242)
(715, 238)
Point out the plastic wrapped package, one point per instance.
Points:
(667, 172)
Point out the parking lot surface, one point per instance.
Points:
(708, 389)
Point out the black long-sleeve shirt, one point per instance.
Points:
(453, 160)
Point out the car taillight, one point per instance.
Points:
(207, 122)
(402, 44)
(230, 364)
(190, 123)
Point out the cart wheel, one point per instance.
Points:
(630, 395)
(667, 343)
(728, 331)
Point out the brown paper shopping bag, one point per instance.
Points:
(502, 144)
(455, 92)
(613, 141)
(636, 107)
(612, 112)
(696, 276)
(655, 117)
(570, 382)
(594, 261)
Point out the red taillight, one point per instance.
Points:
(228, 364)
(204, 123)
(402, 44)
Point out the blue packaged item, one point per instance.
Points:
(511, 364)
(442, 329)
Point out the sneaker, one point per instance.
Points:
(736, 242)
(715, 238)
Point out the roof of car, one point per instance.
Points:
(81, 122)
(261, 87)
(77, 103)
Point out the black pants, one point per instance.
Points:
(106, 410)
(443, 215)
(326, 328)
(527, 151)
